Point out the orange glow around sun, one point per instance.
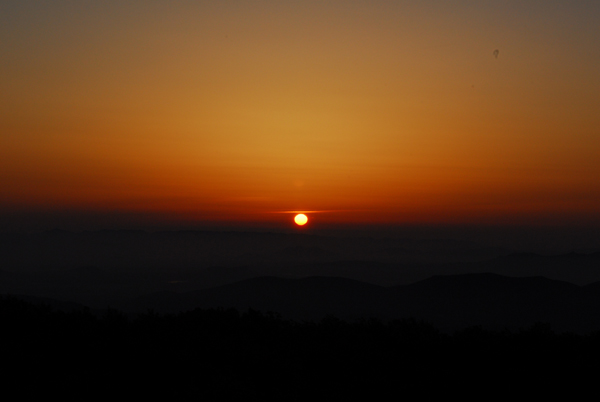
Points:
(383, 113)
(300, 219)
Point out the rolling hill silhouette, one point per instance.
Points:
(448, 302)
(452, 284)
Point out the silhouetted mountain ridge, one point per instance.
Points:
(448, 302)
(135, 250)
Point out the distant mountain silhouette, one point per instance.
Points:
(135, 250)
(490, 300)
(571, 267)
(448, 302)
(448, 282)
(303, 299)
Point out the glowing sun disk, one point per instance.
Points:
(300, 219)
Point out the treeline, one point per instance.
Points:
(225, 355)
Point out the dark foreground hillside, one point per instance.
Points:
(450, 302)
(225, 355)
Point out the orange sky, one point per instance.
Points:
(374, 111)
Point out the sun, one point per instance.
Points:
(300, 219)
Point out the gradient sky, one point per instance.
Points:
(367, 111)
